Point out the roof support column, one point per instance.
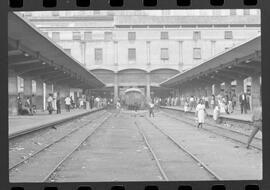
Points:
(148, 87)
(255, 91)
(227, 87)
(115, 87)
(239, 87)
(12, 93)
(217, 89)
(39, 95)
(27, 86)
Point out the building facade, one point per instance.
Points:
(127, 49)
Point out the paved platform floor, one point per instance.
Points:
(24, 122)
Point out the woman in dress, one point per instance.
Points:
(201, 113)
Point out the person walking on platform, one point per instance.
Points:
(200, 113)
(68, 103)
(151, 109)
(257, 122)
(58, 105)
(243, 102)
(50, 102)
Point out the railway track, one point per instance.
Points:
(221, 131)
(179, 146)
(76, 128)
(48, 174)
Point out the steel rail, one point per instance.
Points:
(161, 170)
(47, 177)
(216, 176)
(34, 129)
(211, 131)
(49, 145)
(210, 124)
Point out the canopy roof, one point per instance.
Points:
(241, 61)
(33, 54)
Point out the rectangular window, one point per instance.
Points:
(68, 51)
(76, 35)
(164, 54)
(228, 35)
(56, 36)
(108, 36)
(131, 36)
(233, 12)
(132, 54)
(98, 55)
(196, 53)
(87, 35)
(164, 35)
(196, 35)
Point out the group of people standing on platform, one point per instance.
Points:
(226, 102)
(27, 105)
(54, 103)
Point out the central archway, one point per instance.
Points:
(133, 99)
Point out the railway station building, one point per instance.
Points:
(141, 49)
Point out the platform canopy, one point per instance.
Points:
(33, 54)
(239, 62)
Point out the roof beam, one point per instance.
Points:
(240, 72)
(14, 52)
(25, 71)
(30, 61)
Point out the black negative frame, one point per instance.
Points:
(36, 5)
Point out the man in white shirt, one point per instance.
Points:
(68, 103)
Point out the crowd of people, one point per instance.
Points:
(225, 102)
(27, 105)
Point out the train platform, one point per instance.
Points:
(233, 116)
(20, 123)
(236, 122)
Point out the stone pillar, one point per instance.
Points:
(239, 87)
(148, 87)
(48, 89)
(148, 45)
(255, 92)
(83, 52)
(27, 87)
(12, 93)
(180, 55)
(217, 89)
(115, 87)
(115, 53)
(208, 91)
(39, 95)
(227, 87)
